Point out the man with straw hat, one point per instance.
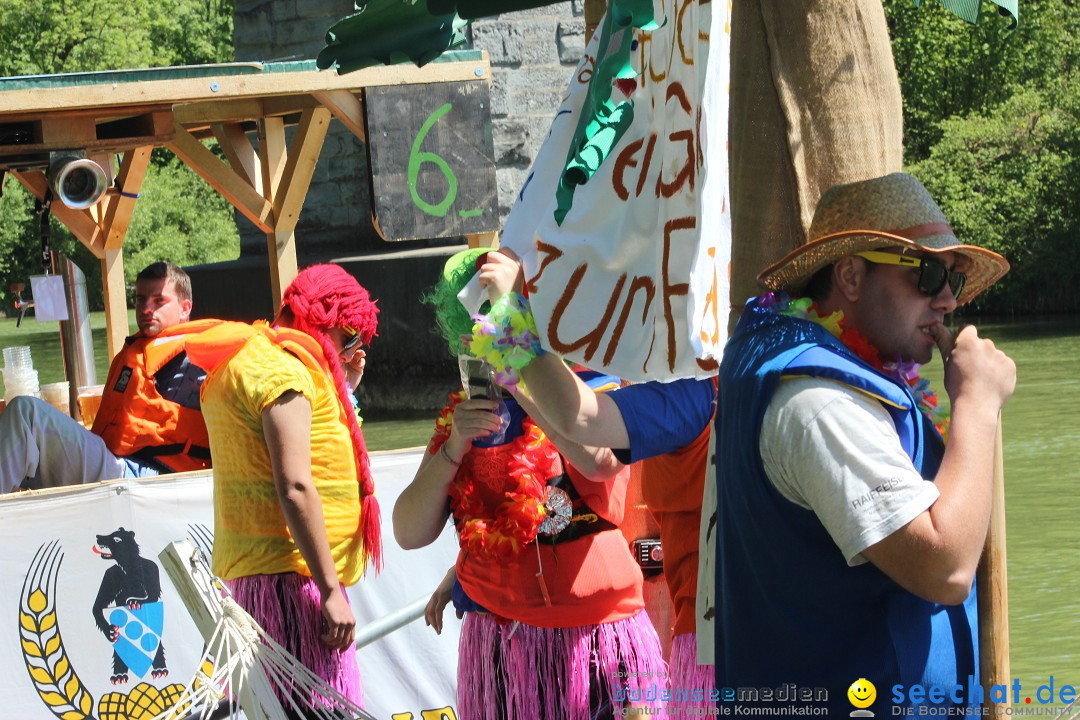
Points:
(851, 512)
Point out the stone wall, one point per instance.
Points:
(533, 53)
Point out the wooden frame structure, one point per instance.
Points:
(129, 113)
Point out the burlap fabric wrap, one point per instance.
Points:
(815, 101)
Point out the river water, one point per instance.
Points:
(1041, 425)
(1042, 471)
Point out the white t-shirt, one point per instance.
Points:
(832, 449)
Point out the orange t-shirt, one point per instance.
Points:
(589, 580)
(672, 486)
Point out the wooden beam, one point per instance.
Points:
(280, 247)
(67, 132)
(240, 153)
(265, 84)
(296, 179)
(208, 112)
(80, 222)
(132, 173)
(222, 178)
(347, 108)
(483, 240)
(272, 154)
(116, 314)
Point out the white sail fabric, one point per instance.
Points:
(635, 278)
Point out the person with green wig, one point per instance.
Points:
(555, 626)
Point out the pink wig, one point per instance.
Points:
(324, 297)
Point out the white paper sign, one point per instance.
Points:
(50, 303)
(635, 279)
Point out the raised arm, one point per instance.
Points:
(286, 427)
(595, 463)
(559, 397)
(935, 555)
(422, 508)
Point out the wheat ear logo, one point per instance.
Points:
(49, 665)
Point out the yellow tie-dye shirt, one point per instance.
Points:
(250, 533)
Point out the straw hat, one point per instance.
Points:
(890, 211)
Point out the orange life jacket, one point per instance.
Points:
(135, 420)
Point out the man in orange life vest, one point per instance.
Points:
(149, 421)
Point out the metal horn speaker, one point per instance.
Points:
(78, 181)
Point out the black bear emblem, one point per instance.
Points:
(132, 581)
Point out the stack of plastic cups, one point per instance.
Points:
(20, 377)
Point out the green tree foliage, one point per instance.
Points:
(54, 36)
(181, 218)
(178, 217)
(1008, 180)
(949, 68)
(991, 118)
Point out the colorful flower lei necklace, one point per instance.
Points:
(500, 534)
(903, 371)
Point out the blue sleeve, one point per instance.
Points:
(663, 417)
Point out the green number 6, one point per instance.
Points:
(417, 157)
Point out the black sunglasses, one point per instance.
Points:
(933, 274)
(352, 342)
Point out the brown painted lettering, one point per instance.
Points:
(591, 340)
(671, 290)
(707, 364)
(638, 283)
(624, 160)
(551, 254)
(648, 163)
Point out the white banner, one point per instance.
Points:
(70, 553)
(635, 279)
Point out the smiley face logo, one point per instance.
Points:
(862, 693)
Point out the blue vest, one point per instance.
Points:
(789, 608)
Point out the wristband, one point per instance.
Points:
(506, 338)
(446, 456)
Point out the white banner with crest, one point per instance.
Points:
(71, 553)
(627, 261)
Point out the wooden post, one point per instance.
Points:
(594, 13)
(479, 240)
(116, 313)
(281, 247)
(993, 589)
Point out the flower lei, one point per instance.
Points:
(506, 338)
(500, 534)
(902, 371)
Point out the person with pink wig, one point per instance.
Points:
(295, 516)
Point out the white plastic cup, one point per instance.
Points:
(20, 381)
(56, 394)
(18, 357)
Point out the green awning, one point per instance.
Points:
(472, 9)
(970, 10)
(387, 32)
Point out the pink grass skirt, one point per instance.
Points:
(515, 671)
(692, 685)
(288, 607)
